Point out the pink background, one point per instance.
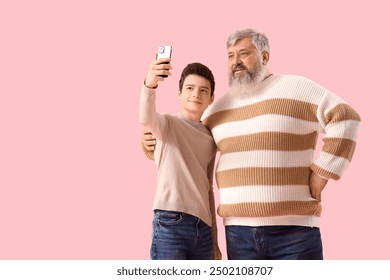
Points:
(74, 183)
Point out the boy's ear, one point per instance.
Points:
(211, 100)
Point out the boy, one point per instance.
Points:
(184, 225)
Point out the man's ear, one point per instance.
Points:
(265, 56)
(178, 93)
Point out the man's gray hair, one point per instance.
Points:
(258, 39)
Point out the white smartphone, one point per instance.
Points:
(164, 52)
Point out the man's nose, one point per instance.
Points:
(237, 60)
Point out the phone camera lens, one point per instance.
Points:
(161, 50)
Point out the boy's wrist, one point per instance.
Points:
(151, 87)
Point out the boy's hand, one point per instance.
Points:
(157, 67)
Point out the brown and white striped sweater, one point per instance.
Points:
(267, 140)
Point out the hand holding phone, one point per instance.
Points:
(164, 52)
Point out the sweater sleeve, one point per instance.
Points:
(148, 115)
(340, 123)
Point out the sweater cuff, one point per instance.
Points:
(324, 173)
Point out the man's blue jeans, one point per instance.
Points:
(180, 236)
(273, 243)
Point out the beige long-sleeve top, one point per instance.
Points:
(184, 156)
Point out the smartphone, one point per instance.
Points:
(164, 52)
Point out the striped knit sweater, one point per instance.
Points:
(267, 140)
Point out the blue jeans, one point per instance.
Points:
(180, 236)
(273, 243)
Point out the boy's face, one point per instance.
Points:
(195, 95)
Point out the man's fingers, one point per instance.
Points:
(150, 144)
(315, 194)
(149, 137)
(149, 141)
(149, 148)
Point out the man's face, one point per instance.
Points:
(242, 57)
(245, 64)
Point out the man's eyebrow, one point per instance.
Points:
(240, 50)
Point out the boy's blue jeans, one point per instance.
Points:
(273, 243)
(180, 236)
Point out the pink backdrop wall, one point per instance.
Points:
(74, 183)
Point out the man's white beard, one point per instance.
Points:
(248, 82)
